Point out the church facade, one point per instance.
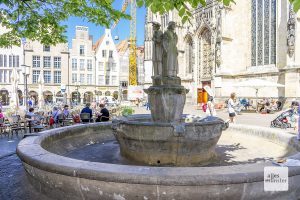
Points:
(222, 46)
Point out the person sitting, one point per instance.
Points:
(66, 111)
(87, 110)
(294, 103)
(30, 113)
(104, 114)
(55, 114)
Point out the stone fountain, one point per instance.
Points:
(164, 138)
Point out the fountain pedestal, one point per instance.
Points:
(167, 102)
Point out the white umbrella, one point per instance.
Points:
(41, 88)
(257, 84)
(14, 94)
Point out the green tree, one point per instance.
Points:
(41, 19)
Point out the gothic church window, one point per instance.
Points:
(189, 55)
(263, 32)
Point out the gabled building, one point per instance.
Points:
(107, 65)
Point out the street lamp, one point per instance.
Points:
(25, 71)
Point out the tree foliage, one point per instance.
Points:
(41, 19)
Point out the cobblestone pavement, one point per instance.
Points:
(14, 184)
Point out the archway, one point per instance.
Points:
(206, 61)
(48, 97)
(116, 94)
(33, 95)
(4, 98)
(107, 93)
(88, 97)
(75, 98)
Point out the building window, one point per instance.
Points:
(89, 79)
(100, 79)
(107, 42)
(110, 54)
(263, 32)
(81, 50)
(103, 53)
(46, 48)
(100, 66)
(47, 76)
(74, 78)
(9, 75)
(108, 66)
(124, 83)
(81, 64)
(189, 56)
(5, 61)
(89, 65)
(17, 61)
(114, 80)
(114, 67)
(35, 76)
(82, 78)
(74, 64)
(47, 61)
(57, 62)
(106, 80)
(1, 60)
(10, 61)
(36, 61)
(57, 76)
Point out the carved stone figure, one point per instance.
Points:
(170, 52)
(291, 33)
(157, 49)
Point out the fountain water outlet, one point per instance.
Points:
(164, 138)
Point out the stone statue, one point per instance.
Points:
(157, 50)
(291, 33)
(170, 52)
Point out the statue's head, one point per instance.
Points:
(156, 26)
(171, 25)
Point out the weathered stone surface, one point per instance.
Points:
(166, 102)
(65, 178)
(176, 144)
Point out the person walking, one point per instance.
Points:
(210, 110)
(231, 104)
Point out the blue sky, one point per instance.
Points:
(122, 29)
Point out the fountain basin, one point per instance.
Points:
(61, 177)
(175, 144)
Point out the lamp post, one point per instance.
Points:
(25, 71)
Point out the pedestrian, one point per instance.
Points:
(210, 110)
(147, 105)
(231, 104)
(103, 116)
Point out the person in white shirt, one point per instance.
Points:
(231, 105)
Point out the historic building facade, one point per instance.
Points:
(11, 57)
(50, 62)
(107, 65)
(225, 45)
